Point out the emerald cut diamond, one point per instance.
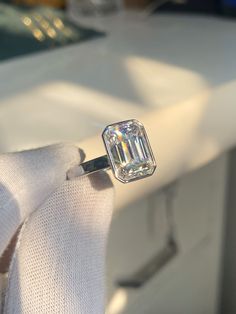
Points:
(129, 151)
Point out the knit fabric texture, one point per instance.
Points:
(58, 264)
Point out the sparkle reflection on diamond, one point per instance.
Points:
(129, 150)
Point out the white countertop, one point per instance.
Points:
(176, 73)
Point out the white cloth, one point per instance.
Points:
(58, 263)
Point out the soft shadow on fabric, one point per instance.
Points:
(9, 248)
(100, 180)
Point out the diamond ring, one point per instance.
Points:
(129, 154)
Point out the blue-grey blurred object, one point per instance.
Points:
(24, 31)
(197, 6)
(229, 7)
(183, 6)
(225, 7)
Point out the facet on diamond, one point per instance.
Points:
(128, 149)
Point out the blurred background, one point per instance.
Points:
(70, 67)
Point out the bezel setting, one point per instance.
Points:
(128, 150)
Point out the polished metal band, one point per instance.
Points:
(100, 163)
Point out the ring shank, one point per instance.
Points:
(100, 163)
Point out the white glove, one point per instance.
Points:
(58, 262)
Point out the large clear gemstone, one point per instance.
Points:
(129, 151)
